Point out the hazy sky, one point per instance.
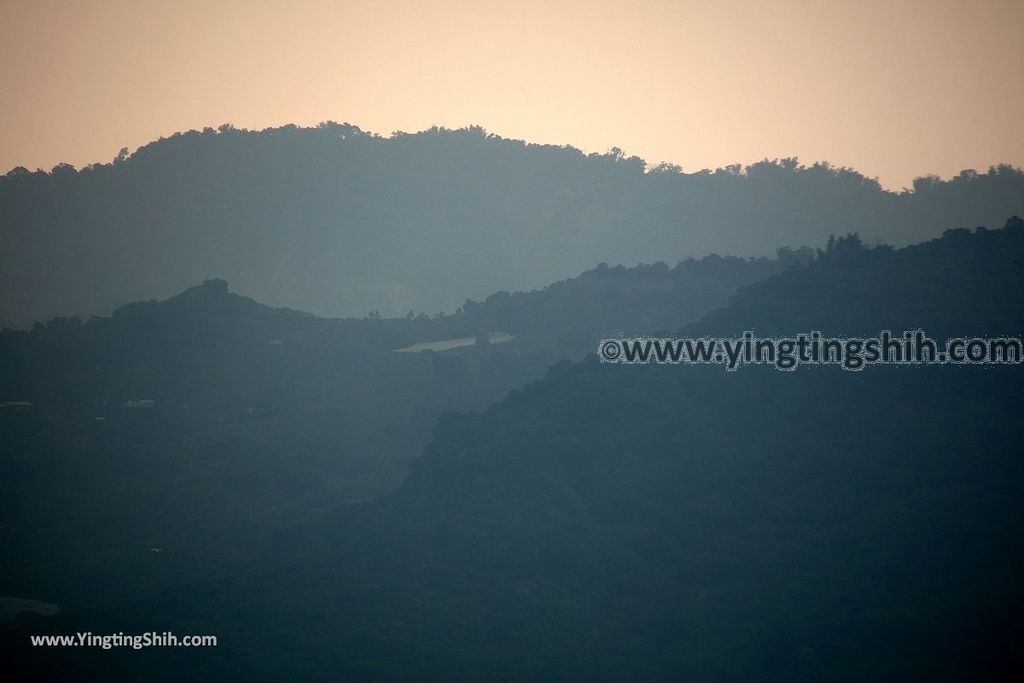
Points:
(894, 89)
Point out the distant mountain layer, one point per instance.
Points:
(339, 222)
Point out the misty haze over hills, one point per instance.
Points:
(288, 400)
(605, 522)
(271, 470)
(339, 222)
(263, 418)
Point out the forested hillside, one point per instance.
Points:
(168, 442)
(336, 221)
(616, 522)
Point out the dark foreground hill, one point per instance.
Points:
(166, 443)
(339, 222)
(616, 522)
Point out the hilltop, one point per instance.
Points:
(340, 222)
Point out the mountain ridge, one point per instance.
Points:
(340, 222)
(654, 522)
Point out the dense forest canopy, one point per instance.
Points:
(340, 222)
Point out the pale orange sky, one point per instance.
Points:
(894, 89)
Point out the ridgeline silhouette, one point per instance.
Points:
(339, 222)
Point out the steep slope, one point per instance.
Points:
(665, 523)
(169, 441)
